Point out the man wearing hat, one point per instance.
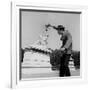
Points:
(66, 39)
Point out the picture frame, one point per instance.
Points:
(15, 44)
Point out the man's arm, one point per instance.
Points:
(55, 27)
(49, 25)
(69, 41)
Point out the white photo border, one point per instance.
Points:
(15, 44)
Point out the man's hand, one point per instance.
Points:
(62, 49)
(48, 25)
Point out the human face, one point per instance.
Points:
(60, 32)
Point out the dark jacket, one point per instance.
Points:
(67, 42)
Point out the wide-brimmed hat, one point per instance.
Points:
(59, 27)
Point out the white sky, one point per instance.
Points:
(33, 24)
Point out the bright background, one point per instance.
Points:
(5, 46)
(33, 24)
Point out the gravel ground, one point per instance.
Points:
(28, 73)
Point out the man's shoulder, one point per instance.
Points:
(67, 32)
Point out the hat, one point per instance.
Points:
(59, 27)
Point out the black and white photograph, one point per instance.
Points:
(49, 44)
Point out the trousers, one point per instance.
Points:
(64, 68)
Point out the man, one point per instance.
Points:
(66, 48)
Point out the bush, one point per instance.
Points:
(55, 59)
(76, 58)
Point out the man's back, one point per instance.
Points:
(67, 41)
